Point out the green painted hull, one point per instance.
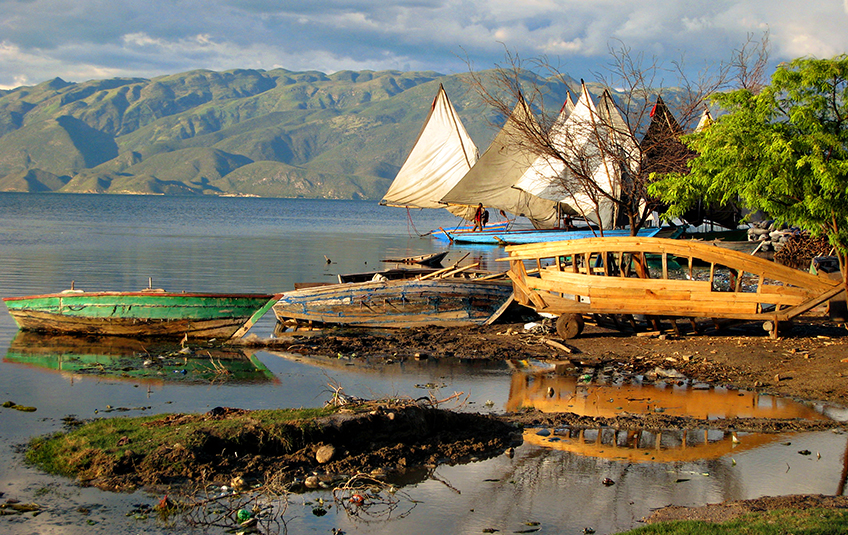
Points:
(145, 313)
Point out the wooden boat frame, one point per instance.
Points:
(610, 276)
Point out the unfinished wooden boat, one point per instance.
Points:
(149, 312)
(398, 303)
(430, 260)
(611, 276)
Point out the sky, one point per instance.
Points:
(79, 40)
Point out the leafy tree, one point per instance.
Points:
(782, 150)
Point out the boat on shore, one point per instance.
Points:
(149, 312)
(612, 276)
(400, 303)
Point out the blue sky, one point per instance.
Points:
(80, 40)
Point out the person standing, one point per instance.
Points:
(478, 218)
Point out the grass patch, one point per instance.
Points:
(100, 445)
(813, 521)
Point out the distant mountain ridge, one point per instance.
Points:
(271, 133)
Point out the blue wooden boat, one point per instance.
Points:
(517, 237)
(448, 234)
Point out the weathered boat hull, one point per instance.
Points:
(138, 314)
(612, 276)
(398, 303)
(516, 237)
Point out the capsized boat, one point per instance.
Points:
(398, 303)
(149, 312)
(611, 276)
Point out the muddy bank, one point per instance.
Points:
(184, 452)
(806, 363)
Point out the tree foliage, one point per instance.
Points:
(782, 150)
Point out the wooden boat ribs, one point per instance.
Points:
(658, 277)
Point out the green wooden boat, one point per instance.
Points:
(149, 312)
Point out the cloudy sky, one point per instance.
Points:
(80, 40)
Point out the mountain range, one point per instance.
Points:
(272, 133)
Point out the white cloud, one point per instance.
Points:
(46, 38)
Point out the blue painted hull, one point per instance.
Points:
(500, 226)
(516, 237)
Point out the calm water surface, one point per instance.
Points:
(235, 244)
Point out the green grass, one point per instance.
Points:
(813, 521)
(107, 441)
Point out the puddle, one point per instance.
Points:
(601, 397)
(591, 396)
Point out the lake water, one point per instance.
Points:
(265, 245)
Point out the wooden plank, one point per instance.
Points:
(578, 280)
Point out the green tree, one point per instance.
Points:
(782, 150)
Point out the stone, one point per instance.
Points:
(325, 453)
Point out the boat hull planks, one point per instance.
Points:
(398, 304)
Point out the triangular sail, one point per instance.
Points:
(490, 180)
(584, 139)
(441, 156)
(705, 121)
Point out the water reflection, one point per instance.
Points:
(127, 359)
(587, 397)
(604, 398)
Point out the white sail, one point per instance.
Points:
(705, 120)
(592, 145)
(490, 180)
(441, 156)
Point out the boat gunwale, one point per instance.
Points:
(143, 293)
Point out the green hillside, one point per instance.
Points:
(269, 133)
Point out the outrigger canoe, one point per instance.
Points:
(612, 276)
(149, 312)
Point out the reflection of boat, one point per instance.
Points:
(612, 276)
(150, 312)
(561, 393)
(398, 303)
(556, 393)
(128, 359)
(655, 446)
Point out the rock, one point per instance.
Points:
(311, 482)
(325, 453)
